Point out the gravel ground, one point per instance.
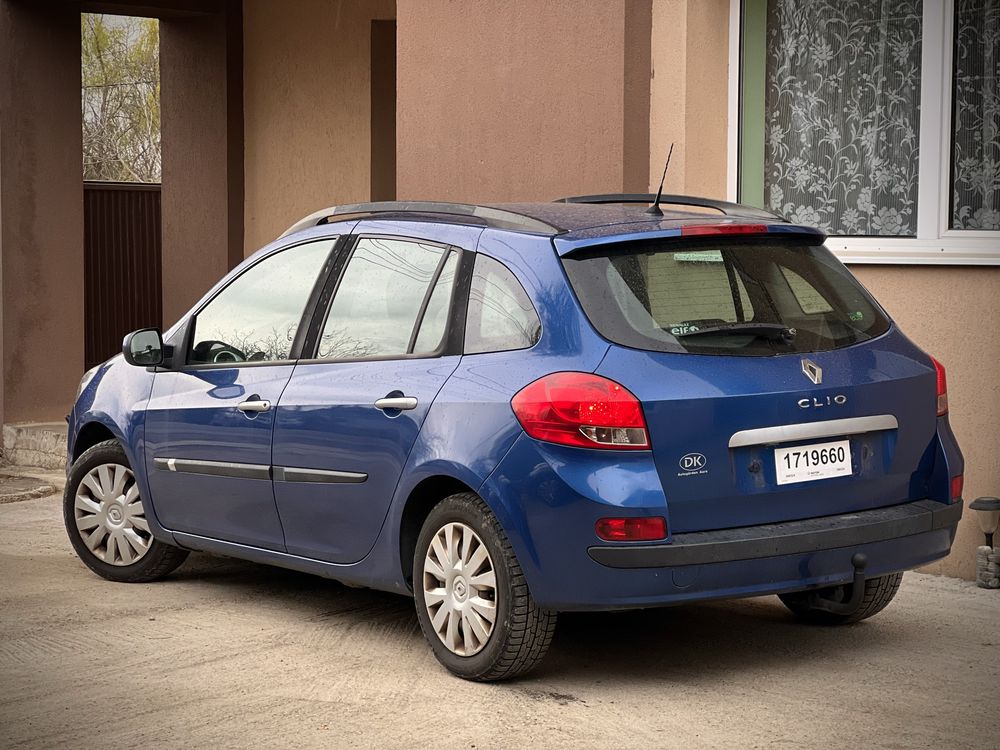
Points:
(226, 654)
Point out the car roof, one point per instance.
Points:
(569, 219)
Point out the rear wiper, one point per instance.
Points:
(775, 331)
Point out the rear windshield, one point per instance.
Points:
(753, 297)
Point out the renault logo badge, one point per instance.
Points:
(812, 371)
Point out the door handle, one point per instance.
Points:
(253, 405)
(398, 403)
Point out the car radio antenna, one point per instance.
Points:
(654, 210)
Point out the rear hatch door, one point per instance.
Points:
(774, 387)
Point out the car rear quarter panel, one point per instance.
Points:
(471, 426)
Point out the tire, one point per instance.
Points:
(92, 505)
(520, 633)
(878, 593)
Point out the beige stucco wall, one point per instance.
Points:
(306, 109)
(520, 100)
(689, 94)
(197, 177)
(950, 313)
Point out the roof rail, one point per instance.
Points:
(729, 209)
(491, 217)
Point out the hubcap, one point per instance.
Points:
(110, 517)
(460, 589)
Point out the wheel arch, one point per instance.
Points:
(90, 434)
(428, 492)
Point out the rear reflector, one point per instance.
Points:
(632, 529)
(942, 388)
(701, 229)
(957, 485)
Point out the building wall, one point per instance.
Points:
(947, 311)
(307, 109)
(689, 95)
(201, 236)
(521, 100)
(950, 313)
(41, 193)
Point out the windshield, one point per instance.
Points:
(753, 296)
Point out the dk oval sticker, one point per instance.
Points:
(693, 462)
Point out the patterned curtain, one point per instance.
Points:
(842, 113)
(975, 156)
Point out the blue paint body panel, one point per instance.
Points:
(546, 497)
(192, 414)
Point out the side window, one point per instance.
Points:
(501, 317)
(379, 299)
(255, 318)
(435, 321)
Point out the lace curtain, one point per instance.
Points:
(976, 116)
(842, 113)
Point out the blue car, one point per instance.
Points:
(516, 410)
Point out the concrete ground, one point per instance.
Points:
(226, 654)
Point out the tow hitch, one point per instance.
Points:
(838, 605)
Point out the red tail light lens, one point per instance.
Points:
(631, 529)
(580, 409)
(942, 388)
(957, 485)
(703, 229)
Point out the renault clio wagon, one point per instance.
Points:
(511, 411)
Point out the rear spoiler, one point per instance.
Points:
(698, 228)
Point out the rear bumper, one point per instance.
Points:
(547, 498)
(791, 538)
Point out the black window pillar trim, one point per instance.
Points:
(454, 337)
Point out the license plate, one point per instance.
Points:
(807, 463)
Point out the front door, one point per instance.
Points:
(348, 419)
(209, 422)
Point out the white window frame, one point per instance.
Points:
(935, 243)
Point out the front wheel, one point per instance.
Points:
(106, 520)
(472, 601)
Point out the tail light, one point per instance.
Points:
(942, 388)
(702, 229)
(584, 410)
(957, 485)
(632, 529)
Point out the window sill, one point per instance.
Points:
(983, 249)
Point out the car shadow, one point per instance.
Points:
(691, 643)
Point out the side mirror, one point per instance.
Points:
(143, 348)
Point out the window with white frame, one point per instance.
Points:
(877, 121)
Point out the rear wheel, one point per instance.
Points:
(472, 601)
(106, 520)
(878, 593)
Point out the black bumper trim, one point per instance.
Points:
(790, 538)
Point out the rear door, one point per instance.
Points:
(771, 382)
(350, 415)
(209, 422)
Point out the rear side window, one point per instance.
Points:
(752, 297)
(380, 300)
(500, 317)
